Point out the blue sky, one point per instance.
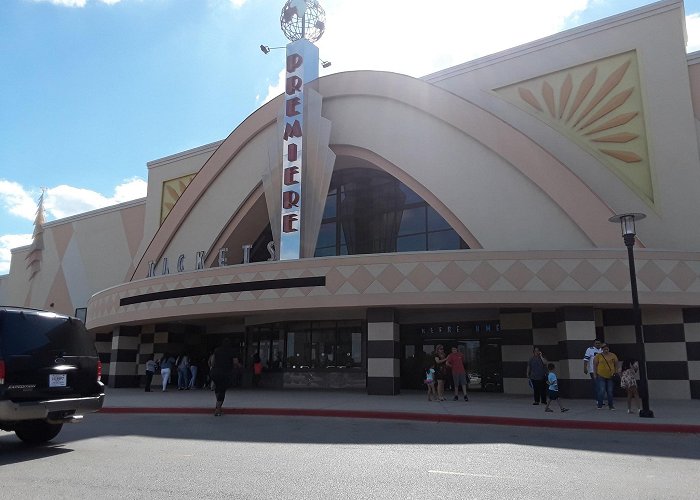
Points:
(91, 90)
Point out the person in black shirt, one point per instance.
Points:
(222, 372)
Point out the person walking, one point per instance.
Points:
(553, 389)
(537, 374)
(439, 360)
(167, 363)
(193, 374)
(628, 381)
(150, 371)
(257, 369)
(455, 361)
(588, 365)
(183, 371)
(222, 372)
(605, 365)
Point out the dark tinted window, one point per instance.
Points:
(376, 213)
(31, 332)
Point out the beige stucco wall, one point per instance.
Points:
(666, 89)
(165, 169)
(500, 206)
(82, 255)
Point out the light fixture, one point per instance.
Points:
(266, 49)
(628, 234)
(325, 64)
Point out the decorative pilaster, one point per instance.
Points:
(576, 327)
(123, 359)
(691, 323)
(383, 356)
(516, 348)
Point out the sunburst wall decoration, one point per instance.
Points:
(599, 106)
(172, 190)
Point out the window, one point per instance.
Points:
(299, 348)
(325, 345)
(368, 211)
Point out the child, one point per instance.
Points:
(430, 383)
(553, 391)
(630, 367)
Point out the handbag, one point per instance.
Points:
(615, 376)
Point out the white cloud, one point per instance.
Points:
(82, 3)
(692, 26)
(64, 201)
(17, 201)
(59, 202)
(237, 3)
(7, 243)
(273, 90)
(415, 40)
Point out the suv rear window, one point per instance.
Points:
(25, 333)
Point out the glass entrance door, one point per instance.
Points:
(482, 359)
(472, 359)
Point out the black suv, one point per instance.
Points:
(49, 373)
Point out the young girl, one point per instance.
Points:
(630, 367)
(430, 383)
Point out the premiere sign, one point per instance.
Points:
(301, 67)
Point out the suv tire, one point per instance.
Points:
(37, 431)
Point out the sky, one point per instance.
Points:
(92, 90)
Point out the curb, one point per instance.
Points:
(421, 417)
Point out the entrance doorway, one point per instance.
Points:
(482, 358)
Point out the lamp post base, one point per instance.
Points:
(646, 414)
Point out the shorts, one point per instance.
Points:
(459, 378)
(553, 395)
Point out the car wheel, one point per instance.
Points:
(37, 431)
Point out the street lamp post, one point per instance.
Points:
(628, 234)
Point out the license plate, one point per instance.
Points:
(57, 380)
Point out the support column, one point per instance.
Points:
(577, 330)
(691, 323)
(516, 349)
(383, 352)
(123, 359)
(103, 344)
(145, 350)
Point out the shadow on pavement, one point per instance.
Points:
(339, 431)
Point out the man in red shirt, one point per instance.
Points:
(455, 360)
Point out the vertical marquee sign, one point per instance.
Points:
(301, 68)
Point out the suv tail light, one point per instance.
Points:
(99, 370)
(2, 371)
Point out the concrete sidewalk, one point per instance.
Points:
(495, 409)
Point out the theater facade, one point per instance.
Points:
(469, 207)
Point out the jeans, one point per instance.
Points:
(165, 373)
(149, 378)
(539, 389)
(604, 385)
(182, 377)
(193, 376)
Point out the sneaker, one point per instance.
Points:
(548, 410)
(564, 410)
(535, 404)
(466, 398)
(456, 398)
(611, 408)
(629, 411)
(599, 407)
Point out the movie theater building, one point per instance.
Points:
(469, 207)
